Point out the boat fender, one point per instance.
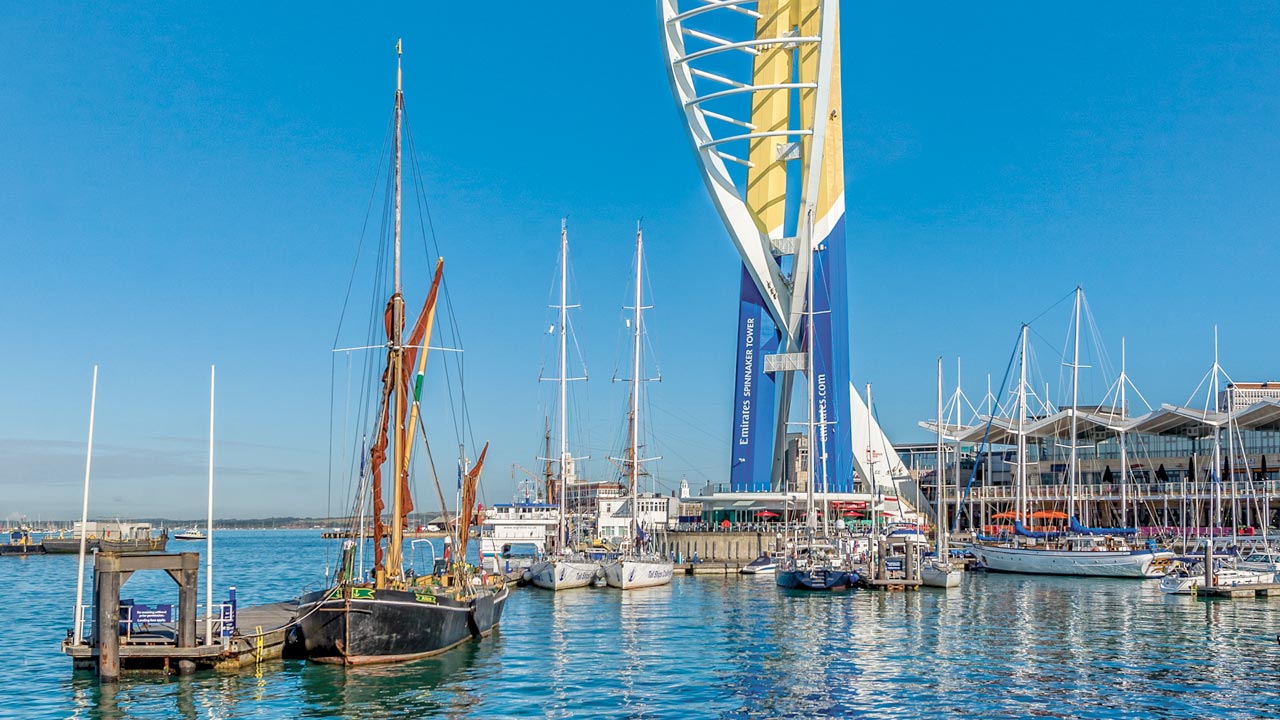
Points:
(472, 625)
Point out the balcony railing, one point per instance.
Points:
(1140, 491)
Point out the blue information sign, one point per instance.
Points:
(145, 614)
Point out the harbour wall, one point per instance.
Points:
(715, 546)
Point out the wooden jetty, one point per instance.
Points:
(125, 638)
(728, 567)
(892, 572)
(1238, 591)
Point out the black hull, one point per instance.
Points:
(18, 549)
(67, 546)
(379, 626)
(819, 579)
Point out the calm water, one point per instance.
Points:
(1002, 646)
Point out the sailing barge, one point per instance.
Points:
(397, 615)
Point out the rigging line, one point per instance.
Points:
(420, 190)
(1047, 342)
(549, 307)
(720, 441)
(351, 464)
(424, 209)
(1098, 350)
(380, 271)
(435, 478)
(386, 138)
(986, 433)
(1047, 310)
(455, 330)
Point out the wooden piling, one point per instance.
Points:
(106, 624)
(1208, 564)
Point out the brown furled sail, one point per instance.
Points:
(467, 505)
(418, 338)
(378, 452)
(378, 456)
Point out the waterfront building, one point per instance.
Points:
(1238, 396)
(656, 512)
(585, 497)
(1171, 479)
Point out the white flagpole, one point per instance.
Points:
(208, 551)
(84, 513)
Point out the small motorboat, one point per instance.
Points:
(1187, 581)
(190, 534)
(759, 566)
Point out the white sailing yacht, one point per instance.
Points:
(563, 568)
(1085, 554)
(634, 567)
(1257, 569)
(938, 571)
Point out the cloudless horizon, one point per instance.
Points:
(186, 186)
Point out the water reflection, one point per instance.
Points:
(434, 686)
(1000, 646)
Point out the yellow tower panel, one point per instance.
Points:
(831, 183)
(766, 188)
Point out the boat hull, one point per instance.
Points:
(563, 574)
(71, 546)
(939, 575)
(1120, 563)
(1190, 584)
(156, 544)
(631, 574)
(758, 567)
(381, 626)
(816, 579)
(67, 546)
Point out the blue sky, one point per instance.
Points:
(184, 186)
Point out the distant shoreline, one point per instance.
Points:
(268, 523)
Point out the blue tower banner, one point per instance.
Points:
(754, 394)
(831, 358)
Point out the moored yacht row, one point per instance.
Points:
(560, 561)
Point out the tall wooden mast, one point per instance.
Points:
(395, 560)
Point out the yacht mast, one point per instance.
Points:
(564, 394)
(1217, 443)
(635, 393)
(208, 574)
(1124, 449)
(1231, 448)
(1072, 468)
(875, 486)
(84, 514)
(941, 502)
(956, 473)
(395, 562)
(1021, 511)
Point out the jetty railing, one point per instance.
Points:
(1138, 490)
(83, 619)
